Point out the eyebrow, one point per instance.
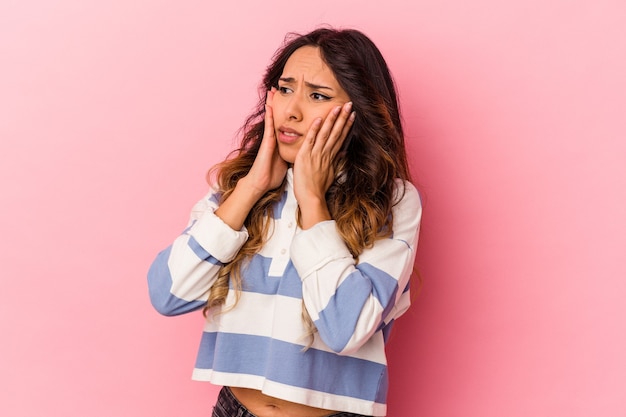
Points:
(308, 84)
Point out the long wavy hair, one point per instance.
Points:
(361, 198)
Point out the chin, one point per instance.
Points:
(288, 155)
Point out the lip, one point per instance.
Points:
(288, 135)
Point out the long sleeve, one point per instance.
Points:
(349, 301)
(181, 276)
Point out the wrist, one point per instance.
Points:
(246, 187)
(313, 212)
(234, 210)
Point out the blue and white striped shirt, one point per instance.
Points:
(259, 343)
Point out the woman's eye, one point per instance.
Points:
(319, 97)
(284, 90)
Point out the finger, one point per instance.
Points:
(269, 97)
(344, 133)
(310, 139)
(269, 115)
(339, 130)
(325, 131)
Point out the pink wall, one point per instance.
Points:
(110, 113)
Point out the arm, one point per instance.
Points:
(181, 276)
(349, 302)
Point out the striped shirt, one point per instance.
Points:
(259, 343)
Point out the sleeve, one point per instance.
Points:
(181, 276)
(349, 301)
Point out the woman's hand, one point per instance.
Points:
(267, 172)
(316, 161)
(269, 169)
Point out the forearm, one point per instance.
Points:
(234, 210)
(312, 212)
(349, 301)
(182, 275)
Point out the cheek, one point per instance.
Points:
(276, 110)
(311, 113)
(322, 111)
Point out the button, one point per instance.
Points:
(283, 251)
(290, 225)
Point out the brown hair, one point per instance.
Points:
(361, 198)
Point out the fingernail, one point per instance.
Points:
(348, 107)
(353, 116)
(336, 110)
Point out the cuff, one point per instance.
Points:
(217, 238)
(313, 248)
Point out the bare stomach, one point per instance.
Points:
(262, 405)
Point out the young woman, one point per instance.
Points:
(301, 254)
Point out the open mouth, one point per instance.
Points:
(286, 135)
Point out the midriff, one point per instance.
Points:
(263, 405)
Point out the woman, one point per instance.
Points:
(301, 254)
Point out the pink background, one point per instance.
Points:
(112, 111)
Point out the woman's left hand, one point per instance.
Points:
(316, 161)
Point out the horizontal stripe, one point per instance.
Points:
(280, 318)
(259, 343)
(256, 278)
(286, 363)
(389, 255)
(159, 284)
(238, 319)
(384, 286)
(201, 252)
(337, 321)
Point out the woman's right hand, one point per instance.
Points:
(267, 172)
(269, 169)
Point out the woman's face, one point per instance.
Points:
(307, 89)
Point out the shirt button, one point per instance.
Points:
(290, 224)
(283, 251)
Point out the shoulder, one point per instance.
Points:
(406, 195)
(407, 209)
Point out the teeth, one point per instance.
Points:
(289, 134)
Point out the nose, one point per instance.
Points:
(293, 110)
